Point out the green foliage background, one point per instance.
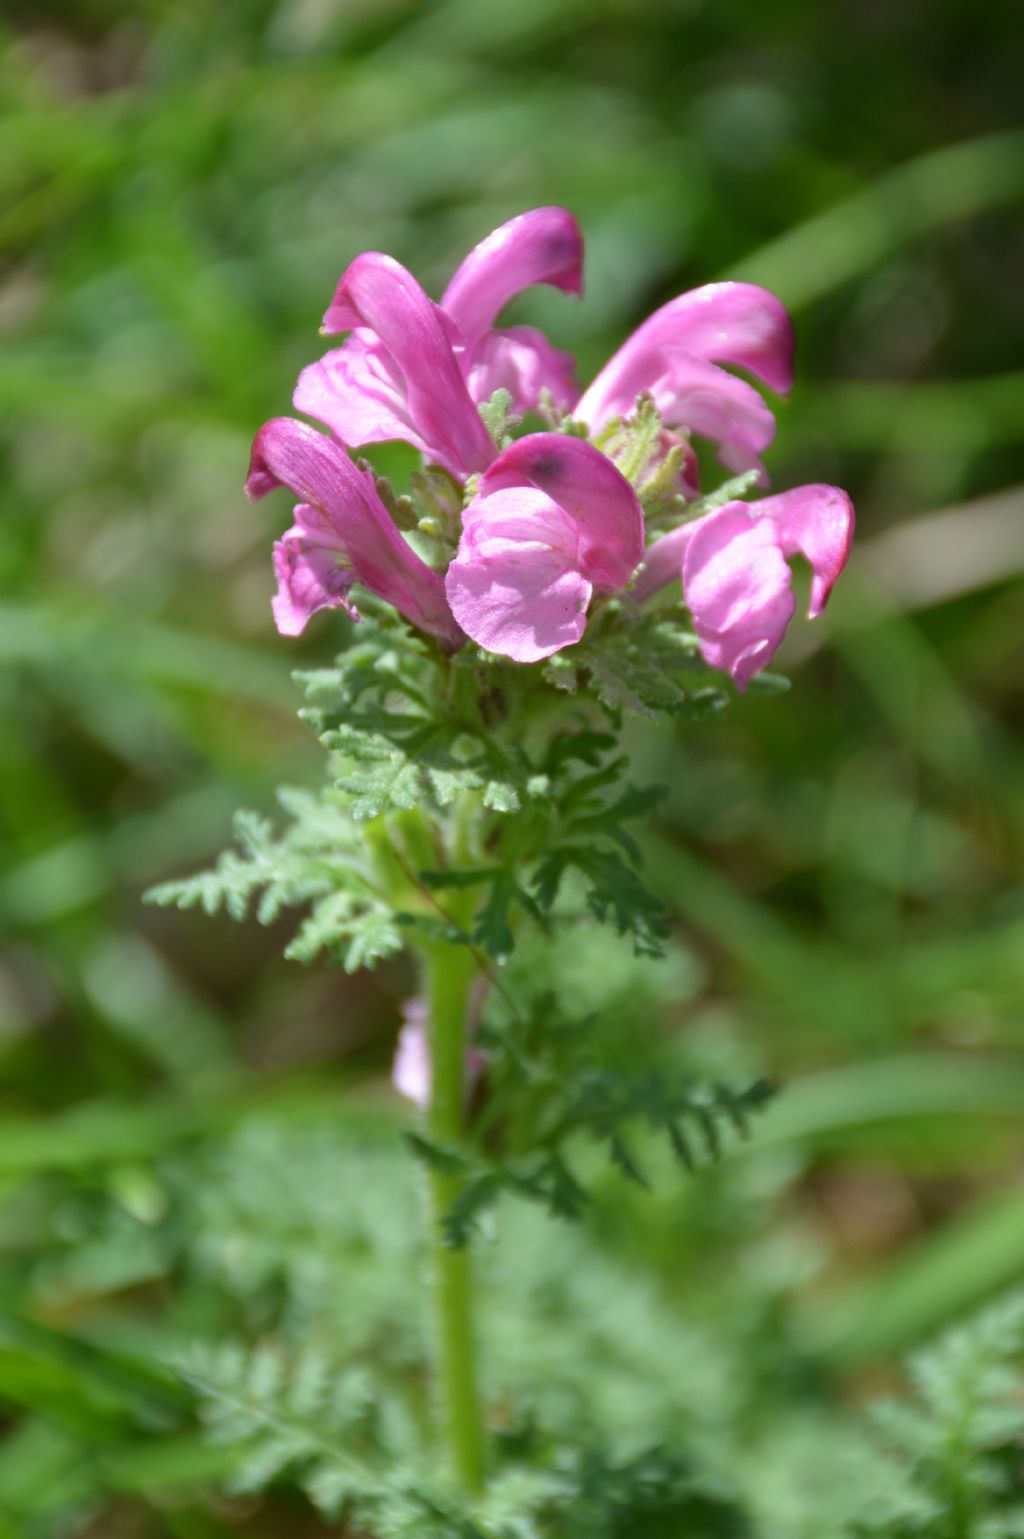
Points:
(198, 1149)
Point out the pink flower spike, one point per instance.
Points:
(398, 376)
(342, 534)
(544, 245)
(736, 581)
(553, 521)
(674, 357)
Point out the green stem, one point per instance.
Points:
(449, 973)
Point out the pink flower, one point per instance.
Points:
(736, 580)
(342, 534)
(416, 371)
(552, 522)
(410, 1069)
(674, 357)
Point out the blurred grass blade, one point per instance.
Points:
(968, 1261)
(56, 635)
(861, 231)
(817, 1107)
(108, 1132)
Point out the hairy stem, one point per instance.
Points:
(449, 973)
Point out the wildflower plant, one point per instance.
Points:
(554, 565)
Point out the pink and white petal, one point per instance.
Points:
(352, 391)
(312, 571)
(737, 586)
(521, 360)
(597, 498)
(544, 245)
(378, 293)
(735, 323)
(818, 521)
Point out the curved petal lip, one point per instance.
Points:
(523, 605)
(733, 323)
(818, 522)
(311, 570)
(544, 245)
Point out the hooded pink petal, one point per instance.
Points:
(404, 360)
(341, 513)
(515, 586)
(736, 323)
(544, 245)
(592, 492)
(521, 360)
(736, 580)
(552, 521)
(672, 357)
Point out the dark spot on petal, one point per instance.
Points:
(548, 463)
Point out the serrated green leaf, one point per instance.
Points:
(500, 796)
(495, 416)
(392, 783)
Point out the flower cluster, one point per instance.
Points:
(549, 520)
